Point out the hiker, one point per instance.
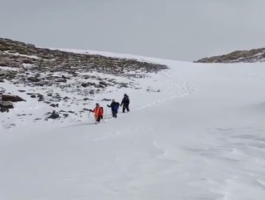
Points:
(98, 113)
(114, 108)
(125, 102)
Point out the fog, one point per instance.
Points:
(174, 29)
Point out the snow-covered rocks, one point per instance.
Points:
(5, 106)
(18, 54)
(245, 56)
(6, 101)
(57, 80)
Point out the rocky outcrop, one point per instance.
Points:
(53, 115)
(5, 106)
(12, 98)
(64, 84)
(6, 101)
(17, 54)
(245, 56)
(28, 65)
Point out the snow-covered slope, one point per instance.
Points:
(240, 56)
(66, 82)
(201, 137)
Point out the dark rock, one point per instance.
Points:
(86, 76)
(40, 97)
(12, 98)
(101, 86)
(91, 92)
(87, 99)
(43, 84)
(124, 85)
(66, 98)
(20, 115)
(106, 99)
(54, 115)
(84, 84)
(5, 106)
(54, 105)
(103, 83)
(87, 84)
(28, 61)
(33, 79)
(65, 115)
(61, 80)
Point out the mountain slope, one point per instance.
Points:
(65, 82)
(246, 56)
(200, 137)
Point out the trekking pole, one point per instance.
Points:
(104, 115)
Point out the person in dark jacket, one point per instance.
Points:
(114, 108)
(125, 103)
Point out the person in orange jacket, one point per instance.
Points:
(98, 113)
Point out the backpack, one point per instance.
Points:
(117, 105)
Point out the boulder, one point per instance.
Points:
(5, 106)
(54, 115)
(12, 98)
(34, 79)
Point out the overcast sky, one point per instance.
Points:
(175, 29)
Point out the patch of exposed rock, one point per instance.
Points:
(244, 56)
(5, 106)
(28, 65)
(59, 80)
(17, 54)
(7, 100)
(12, 98)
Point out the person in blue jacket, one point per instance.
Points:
(114, 108)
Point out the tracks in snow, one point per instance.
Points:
(177, 87)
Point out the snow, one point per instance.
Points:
(23, 55)
(200, 138)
